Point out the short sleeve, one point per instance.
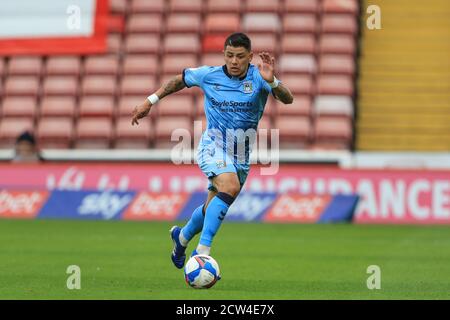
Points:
(194, 76)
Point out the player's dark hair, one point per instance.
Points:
(26, 136)
(238, 39)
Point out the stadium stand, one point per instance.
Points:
(314, 43)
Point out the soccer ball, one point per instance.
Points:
(201, 272)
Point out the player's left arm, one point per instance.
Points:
(266, 69)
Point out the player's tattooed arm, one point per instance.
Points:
(173, 85)
(283, 94)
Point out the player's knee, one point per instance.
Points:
(232, 189)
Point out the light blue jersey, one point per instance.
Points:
(230, 103)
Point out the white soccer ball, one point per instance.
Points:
(201, 272)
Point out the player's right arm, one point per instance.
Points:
(173, 85)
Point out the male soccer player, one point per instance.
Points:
(235, 96)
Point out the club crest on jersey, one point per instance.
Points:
(220, 164)
(248, 87)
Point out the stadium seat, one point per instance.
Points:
(213, 42)
(212, 59)
(114, 43)
(180, 23)
(300, 23)
(55, 132)
(337, 44)
(334, 85)
(181, 43)
(63, 66)
(339, 23)
(101, 65)
(11, 128)
(21, 86)
(176, 106)
(133, 137)
(272, 6)
(298, 43)
(301, 106)
(96, 106)
(127, 104)
(93, 133)
(60, 86)
(142, 43)
(175, 63)
(118, 6)
(19, 107)
(145, 6)
(57, 106)
(336, 131)
(165, 126)
(297, 63)
(223, 6)
(184, 6)
(140, 64)
(294, 132)
(25, 66)
(138, 85)
(337, 64)
(115, 23)
(264, 42)
(98, 85)
(144, 23)
(302, 6)
(222, 23)
(336, 106)
(340, 6)
(2, 67)
(299, 83)
(261, 22)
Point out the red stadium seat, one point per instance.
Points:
(2, 66)
(222, 23)
(333, 130)
(175, 63)
(60, 86)
(272, 6)
(118, 6)
(340, 6)
(145, 6)
(63, 66)
(336, 106)
(57, 107)
(142, 43)
(186, 6)
(19, 107)
(55, 133)
(337, 64)
(223, 6)
(11, 128)
(96, 106)
(264, 42)
(142, 64)
(93, 133)
(301, 106)
(299, 83)
(213, 42)
(337, 44)
(98, 85)
(133, 137)
(294, 132)
(176, 106)
(303, 6)
(261, 22)
(339, 23)
(179, 23)
(181, 43)
(115, 23)
(165, 126)
(138, 85)
(114, 43)
(21, 86)
(25, 66)
(300, 23)
(144, 23)
(297, 63)
(335, 85)
(127, 104)
(212, 59)
(298, 43)
(101, 65)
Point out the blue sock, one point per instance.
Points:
(215, 213)
(194, 225)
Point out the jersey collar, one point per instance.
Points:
(225, 70)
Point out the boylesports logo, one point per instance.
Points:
(230, 103)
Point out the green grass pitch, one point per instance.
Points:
(131, 260)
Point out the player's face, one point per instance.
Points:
(237, 60)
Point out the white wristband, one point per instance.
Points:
(275, 83)
(153, 99)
